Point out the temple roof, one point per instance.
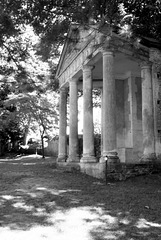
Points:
(92, 38)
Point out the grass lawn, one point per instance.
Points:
(38, 201)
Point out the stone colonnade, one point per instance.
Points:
(109, 145)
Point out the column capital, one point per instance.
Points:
(107, 52)
(146, 65)
(73, 79)
(64, 89)
(88, 67)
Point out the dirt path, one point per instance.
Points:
(38, 201)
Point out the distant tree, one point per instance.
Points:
(9, 126)
(45, 118)
(36, 112)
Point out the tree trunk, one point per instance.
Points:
(42, 143)
(26, 131)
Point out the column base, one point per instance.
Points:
(69, 166)
(73, 159)
(88, 159)
(111, 157)
(150, 157)
(62, 158)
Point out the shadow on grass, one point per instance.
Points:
(57, 205)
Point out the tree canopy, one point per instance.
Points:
(51, 18)
(145, 17)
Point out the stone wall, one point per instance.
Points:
(123, 171)
(114, 172)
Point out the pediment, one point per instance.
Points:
(71, 47)
(85, 42)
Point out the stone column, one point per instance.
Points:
(62, 148)
(147, 113)
(102, 122)
(73, 121)
(109, 107)
(88, 128)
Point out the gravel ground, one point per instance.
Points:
(39, 201)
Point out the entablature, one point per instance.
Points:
(90, 50)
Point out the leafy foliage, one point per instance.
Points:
(36, 112)
(145, 18)
(51, 19)
(9, 126)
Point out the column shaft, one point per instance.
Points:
(73, 121)
(102, 121)
(109, 106)
(147, 113)
(62, 148)
(88, 128)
